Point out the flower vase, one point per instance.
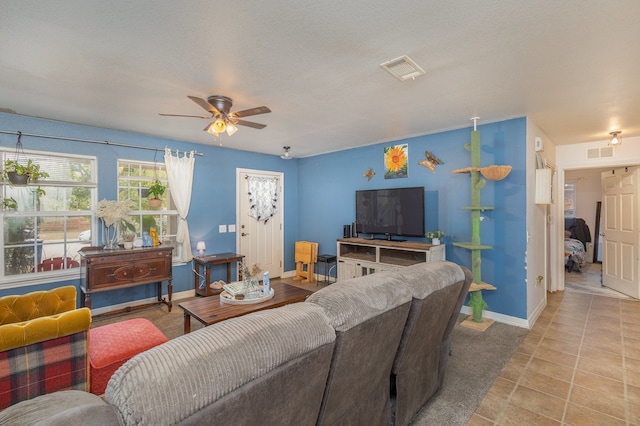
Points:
(251, 288)
(110, 236)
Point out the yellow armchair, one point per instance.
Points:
(44, 344)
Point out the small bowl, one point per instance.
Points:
(495, 172)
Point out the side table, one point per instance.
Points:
(327, 259)
(206, 262)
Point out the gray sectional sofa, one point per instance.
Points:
(338, 358)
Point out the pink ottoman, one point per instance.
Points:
(112, 345)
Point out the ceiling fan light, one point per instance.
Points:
(231, 128)
(219, 125)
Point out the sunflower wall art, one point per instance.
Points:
(395, 161)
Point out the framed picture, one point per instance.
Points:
(396, 160)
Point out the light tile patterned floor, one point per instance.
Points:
(579, 365)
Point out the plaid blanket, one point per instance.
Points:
(45, 367)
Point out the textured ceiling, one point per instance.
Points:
(571, 66)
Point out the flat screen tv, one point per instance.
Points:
(390, 212)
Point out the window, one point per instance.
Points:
(569, 200)
(44, 232)
(134, 180)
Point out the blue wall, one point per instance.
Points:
(326, 202)
(319, 195)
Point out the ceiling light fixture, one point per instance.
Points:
(615, 138)
(222, 124)
(286, 155)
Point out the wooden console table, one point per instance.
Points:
(207, 262)
(106, 270)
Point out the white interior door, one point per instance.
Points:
(620, 230)
(258, 241)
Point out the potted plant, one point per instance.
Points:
(435, 236)
(156, 190)
(128, 238)
(21, 174)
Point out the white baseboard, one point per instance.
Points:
(505, 319)
(175, 297)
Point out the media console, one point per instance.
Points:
(360, 256)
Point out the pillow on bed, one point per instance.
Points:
(567, 234)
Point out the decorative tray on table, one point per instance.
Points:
(226, 297)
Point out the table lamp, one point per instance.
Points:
(201, 247)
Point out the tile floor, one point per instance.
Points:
(579, 365)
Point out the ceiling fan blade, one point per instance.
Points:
(250, 124)
(251, 111)
(182, 115)
(204, 104)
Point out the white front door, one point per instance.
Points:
(259, 241)
(620, 230)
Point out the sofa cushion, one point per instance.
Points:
(436, 289)
(37, 304)
(44, 367)
(60, 408)
(368, 314)
(193, 373)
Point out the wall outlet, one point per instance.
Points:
(232, 228)
(222, 228)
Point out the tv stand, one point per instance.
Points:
(364, 256)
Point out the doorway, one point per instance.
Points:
(588, 194)
(259, 237)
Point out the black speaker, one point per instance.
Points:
(346, 231)
(354, 232)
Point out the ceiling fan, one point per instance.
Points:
(222, 118)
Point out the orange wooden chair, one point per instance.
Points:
(306, 255)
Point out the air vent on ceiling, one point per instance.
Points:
(604, 152)
(403, 68)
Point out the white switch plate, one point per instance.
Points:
(538, 144)
(232, 228)
(222, 228)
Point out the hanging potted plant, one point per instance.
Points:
(156, 190)
(22, 174)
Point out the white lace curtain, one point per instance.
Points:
(180, 176)
(263, 195)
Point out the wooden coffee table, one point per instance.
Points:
(210, 310)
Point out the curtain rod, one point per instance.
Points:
(90, 141)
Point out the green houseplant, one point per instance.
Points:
(156, 190)
(8, 203)
(21, 174)
(435, 236)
